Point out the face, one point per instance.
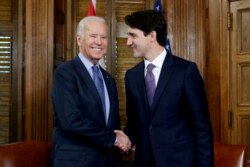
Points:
(138, 42)
(94, 42)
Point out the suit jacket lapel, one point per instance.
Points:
(167, 69)
(88, 82)
(109, 86)
(141, 87)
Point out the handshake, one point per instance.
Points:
(122, 141)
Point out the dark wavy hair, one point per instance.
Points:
(148, 21)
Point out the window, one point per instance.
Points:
(5, 86)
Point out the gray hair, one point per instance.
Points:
(82, 24)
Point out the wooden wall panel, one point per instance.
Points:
(217, 67)
(244, 135)
(239, 73)
(6, 10)
(123, 56)
(244, 31)
(187, 30)
(124, 61)
(243, 83)
(38, 69)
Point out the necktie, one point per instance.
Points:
(97, 77)
(150, 83)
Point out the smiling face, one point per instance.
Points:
(138, 42)
(94, 42)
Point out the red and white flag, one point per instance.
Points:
(92, 8)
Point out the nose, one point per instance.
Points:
(98, 39)
(129, 41)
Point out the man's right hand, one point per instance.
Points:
(122, 141)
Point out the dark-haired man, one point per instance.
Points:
(168, 118)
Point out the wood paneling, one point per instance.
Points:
(38, 69)
(243, 31)
(243, 87)
(239, 74)
(215, 73)
(124, 58)
(6, 10)
(187, 30)
(124, 61)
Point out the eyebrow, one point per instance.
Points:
(131, 34)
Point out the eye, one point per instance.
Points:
(93, 35)
(131, 35)
(104, 37)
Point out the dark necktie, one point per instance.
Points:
(97, 77)
(150, 83)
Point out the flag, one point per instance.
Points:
(158, 8)
(92, 8)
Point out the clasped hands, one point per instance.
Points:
(122, 141)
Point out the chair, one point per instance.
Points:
(228, 155)
(25, 154)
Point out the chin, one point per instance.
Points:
(137, 55)
(98, 56)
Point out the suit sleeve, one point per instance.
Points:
(130, 128)
(197, 103)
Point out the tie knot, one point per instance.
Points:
(150, 67)
(95, 68)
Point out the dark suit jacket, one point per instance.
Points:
(177, 128)
(81, 137)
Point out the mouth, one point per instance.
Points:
(132, 46)
(96, 49)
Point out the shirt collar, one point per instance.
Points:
(158, 61)
(87, 63)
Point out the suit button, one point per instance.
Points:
(150, 127)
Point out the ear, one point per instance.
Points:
(78, 40)
(153, 35)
